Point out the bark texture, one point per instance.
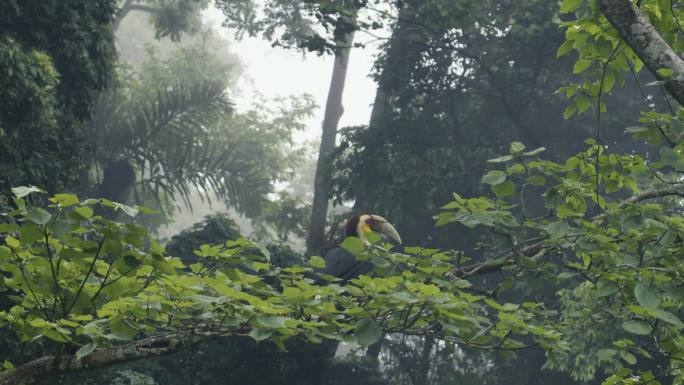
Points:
(150, 347)
(638, 32)
(322, 183)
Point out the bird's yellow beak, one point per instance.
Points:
(387, 229)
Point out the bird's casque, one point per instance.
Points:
(341, 263)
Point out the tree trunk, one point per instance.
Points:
(333, 112)
(402, 51)
(117, 183)
(638, 32)
(424, 365)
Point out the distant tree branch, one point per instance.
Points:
(129, 6)
(537, 250)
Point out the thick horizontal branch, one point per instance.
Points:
(672, 191)
(638, 32)
(496, 264)
(538, 249)
(150, 347)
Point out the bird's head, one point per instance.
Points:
(360, 225)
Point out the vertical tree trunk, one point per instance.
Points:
(402, 51)
(333, 112)
(424, 365)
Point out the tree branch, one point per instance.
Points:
(149, 347)
(638, 32)
(538, 250)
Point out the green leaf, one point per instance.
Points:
(494, 177)
(647, 297)
(260, 334)
(505, 189)
(605, 288)
(368, 332)
(582, 103)
(500, 159)
(317, 262)
(5, 252)
(130, 211)
(65, 200)
(581, 66)
(84, 211)
(534, 152)
(637, 327)
(353, 245)
(536, 180)
(86, 349)
(564, 48)
(12, 242)
(665, 72)
(609, 81)
(38, 215)
(668, 317)
(516, 148)
(569, 111)
(606, 354)
(30, 233)
(271, 322)
(380, 262)
(634, 130)
(23, 191)
(628, 357)
(568, 6)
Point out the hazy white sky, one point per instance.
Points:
(280, 72)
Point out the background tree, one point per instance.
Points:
(55, 56)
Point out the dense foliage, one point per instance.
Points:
(559, 263)
(55, 56)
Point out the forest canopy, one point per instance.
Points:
(530, 154)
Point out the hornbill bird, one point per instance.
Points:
(341, 263)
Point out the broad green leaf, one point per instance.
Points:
(86, 349)
(581, 66)
(605, 288)
(30, 233)
(260, 334)
(582, 103)
(628, 357)
(568, 6)
(564, 48)
(505, 189)
(669, 318)
(516, 148)
(65, 200)
(536, 180)
(271, 322)
(606, 354)
(85, 212)
(637, 327)
(317, 262)
(380, 262)
(494, 177)
(647, 296)
(5, 252)
(353, 245)
(23, 191)
(38, 215)
(368, 332)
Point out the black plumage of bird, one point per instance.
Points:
(341, 263)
